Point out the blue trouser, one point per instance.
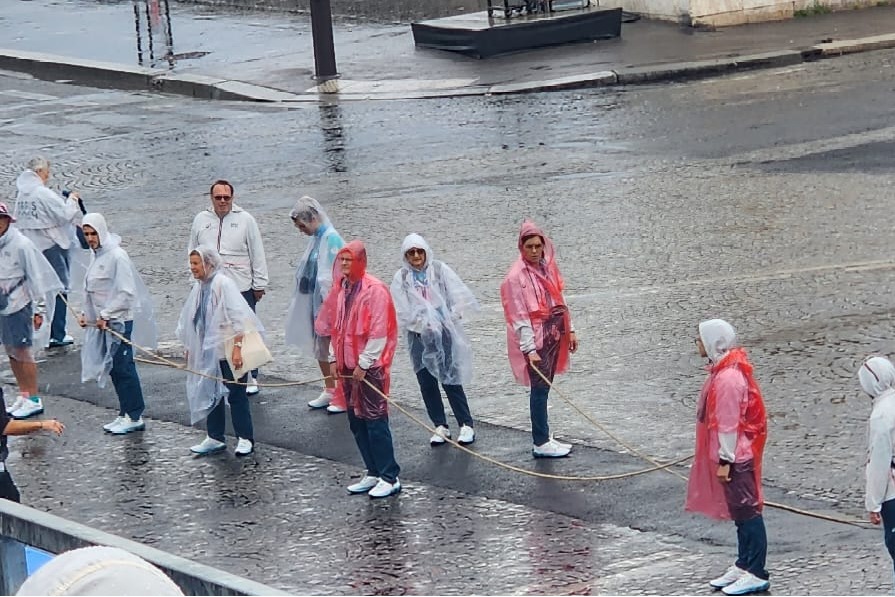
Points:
(887, 512)
(249, 296)
(435, 407)
(58, 258)
(240, 410)
(741, 493)
(125, 379)
(374, 441)
(537, 403)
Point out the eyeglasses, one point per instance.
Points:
(223, 197)
(413, 252)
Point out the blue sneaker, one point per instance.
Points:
(209, 445)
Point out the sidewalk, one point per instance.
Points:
(266, 56)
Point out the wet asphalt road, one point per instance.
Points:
(761, 198)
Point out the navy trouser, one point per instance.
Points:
(374, 441)
(58, 258)
(240, 410)
(887, 512)
(742, 501)
(249, 296)
(429, 384)
(124, 376)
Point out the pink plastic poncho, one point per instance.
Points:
(730, 382)
(359, 309)
(529, 295)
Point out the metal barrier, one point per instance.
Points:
(21, 526)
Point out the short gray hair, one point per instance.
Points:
(36, 164)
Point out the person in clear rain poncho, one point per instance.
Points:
(430, 301)
(115, 299)
(26, 280)
(539, 330)
(725, 479)
(49, 220)
(313, 281)
(877, 378)
(215, 313)
(360, 318)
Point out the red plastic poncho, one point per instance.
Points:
(359, 308)
(732, 374)
(529, 295)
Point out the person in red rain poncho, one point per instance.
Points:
(359, 317)
(539, 330)
(725, 480)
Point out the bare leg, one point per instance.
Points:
(325, 369)
(25, 373)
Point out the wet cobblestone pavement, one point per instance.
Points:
(762, 198)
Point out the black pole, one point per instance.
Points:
(324, 48)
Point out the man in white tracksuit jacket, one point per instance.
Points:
(233, 232)
(877, 377)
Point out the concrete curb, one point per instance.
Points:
(121, 76)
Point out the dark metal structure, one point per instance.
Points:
(530, 24)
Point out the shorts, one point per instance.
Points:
(17, 329)
(321, 348)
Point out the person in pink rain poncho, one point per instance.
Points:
(539, 330)
(359, 317)
(725, 479)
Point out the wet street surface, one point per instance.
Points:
(762, 198)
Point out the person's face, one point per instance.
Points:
(346, 260)
(416, 258)
(197, 268)
(307, 228)
(533, 250)
(700, 347)
(44, 175)
(91, 236)
(221, 199)
(4, 224)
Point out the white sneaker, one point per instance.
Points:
(127, 425)
(467, 435)
(244, 447)
(747, 583)
(321, 401)
(441, 432)
(209, 445)
(559, 443)
(15, 405)
(550, 449)
(252, 386)
(29, 408)
(335, 410)
(364, 485)
(385, 489)
(728, 578)
(109, 426)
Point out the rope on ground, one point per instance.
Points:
(166, 362)
(849, 521)
(518, 469)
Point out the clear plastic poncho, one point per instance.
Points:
(214, 313)
(27, 277)
(313, 275)
(430, 303)
(113, 290)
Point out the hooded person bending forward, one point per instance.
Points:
(359, 317)
(215, 313)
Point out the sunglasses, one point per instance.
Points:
(223, 197)
(412, 252)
